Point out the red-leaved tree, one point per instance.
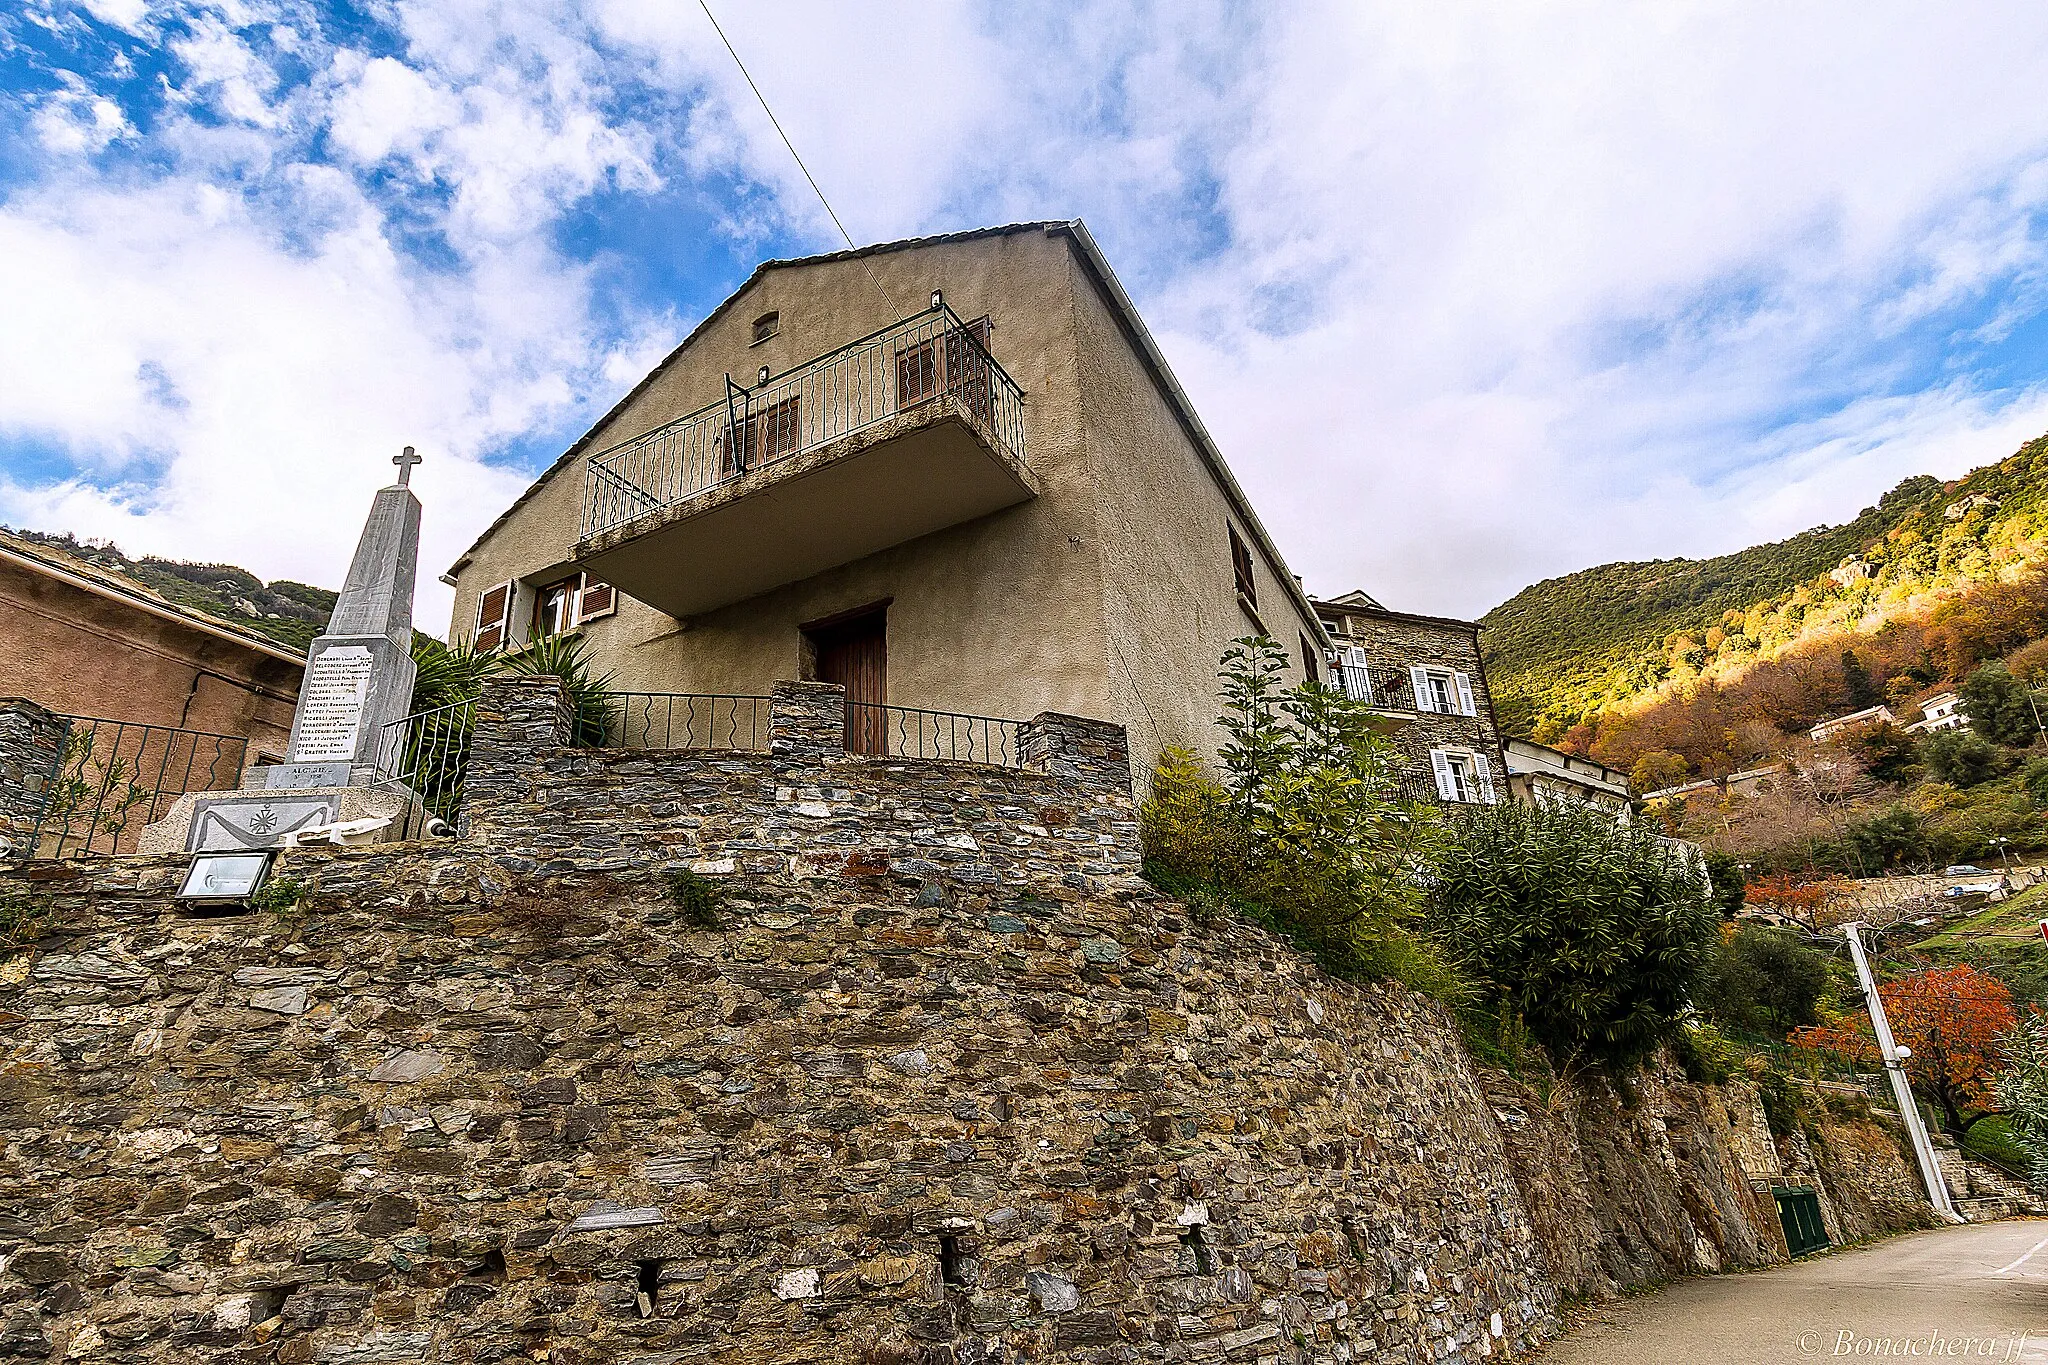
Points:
(1951, 1017)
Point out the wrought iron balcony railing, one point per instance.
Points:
(926, 358)
(1388, 689)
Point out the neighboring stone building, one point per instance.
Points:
(1540, 774)
(83, 640)
(1424, 673)
(953, 475)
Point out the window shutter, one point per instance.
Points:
(1446, 783)
(491, 611)
(1465, 693)
(1418, 679)
(1485, 771)
(597, 599)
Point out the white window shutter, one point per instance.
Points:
(1465, 702)
(1418, 680)
(1446, 781)
(1485, 771)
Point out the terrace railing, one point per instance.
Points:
(925, 358)
(908, 732)
(110, 778)
(677, 720)
(428, 752)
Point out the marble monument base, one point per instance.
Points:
(224, 821)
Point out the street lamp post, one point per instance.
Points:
(1894, 1058)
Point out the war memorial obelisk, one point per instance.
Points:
(358, 683)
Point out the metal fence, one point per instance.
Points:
(428, 752)
(1390, 689)
(925, 358)
(677, 720)
(111, 778)
(908, 732)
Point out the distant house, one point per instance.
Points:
(1941, 711)
(1424, 674)
(1542, 775)
(1961, 508)
(1751, 781)
(1684, 791)
(1868, 716)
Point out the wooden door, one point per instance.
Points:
(855, 654)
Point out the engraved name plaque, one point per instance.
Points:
(331, 705)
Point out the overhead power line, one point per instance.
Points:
(829, 211)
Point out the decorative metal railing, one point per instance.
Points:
(110, 778)
(908, 732)
(1389, 689)
(678, 720)
(427, 753)
(925, 358)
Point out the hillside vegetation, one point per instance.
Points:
(1574, 658)
(287, 612)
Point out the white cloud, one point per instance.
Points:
(1471, 295)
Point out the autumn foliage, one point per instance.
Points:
(1952, 1019)
(1803, 901)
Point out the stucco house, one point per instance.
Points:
(1424, 674)
(1940, 710)
(81, 639)
(953, 474)
(1868, 718)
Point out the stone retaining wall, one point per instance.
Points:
(944, 1083)
(436, 1113)
(804, 806)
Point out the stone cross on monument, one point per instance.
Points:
(358, 686)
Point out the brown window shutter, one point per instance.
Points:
(917, 374)
(491, 610)
(1241, 568)
(599, 599)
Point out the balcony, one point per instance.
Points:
(905, 432)
(1388, 691)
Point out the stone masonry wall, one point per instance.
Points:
(944, 1083)
(443, 1112)
(31, 741)
(805, 806)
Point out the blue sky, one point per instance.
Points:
(1470, 296)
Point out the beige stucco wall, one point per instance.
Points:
(1114, 585)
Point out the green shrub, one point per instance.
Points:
(285, 897)
(1762, 982)
(2021, 1086)
(1593, 932)
(25, 917)
(1310, 835)
(1704, 1053)
(1999, 706)
(697, 898)
(1995, 1137)
(1962, 758)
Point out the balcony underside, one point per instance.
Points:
(780, 522)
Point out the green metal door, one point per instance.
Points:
(1799, 1215)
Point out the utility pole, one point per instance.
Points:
(1894, 1065)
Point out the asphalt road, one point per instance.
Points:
(1977, 1293)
